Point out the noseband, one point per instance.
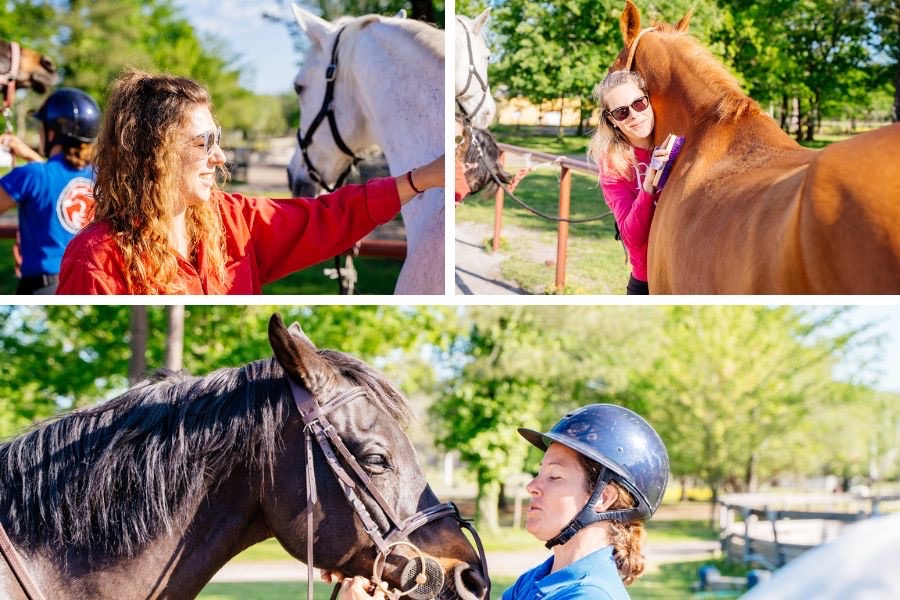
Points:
(327, 110)
(316, 425)
(473, 74)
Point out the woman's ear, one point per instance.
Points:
(607, 498)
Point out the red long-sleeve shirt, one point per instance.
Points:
(266, 239)
(633, 210)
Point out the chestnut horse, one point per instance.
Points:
(746, 210)
(147, 495)
(27, 68)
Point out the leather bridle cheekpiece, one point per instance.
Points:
(634, 46)
(327, 111)
(473, 74)
(316, 425)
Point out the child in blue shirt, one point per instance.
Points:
(55, 198)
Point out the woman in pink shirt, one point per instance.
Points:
(622, 148)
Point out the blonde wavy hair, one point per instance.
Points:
(78, 155)
(627, 538)
(139, 161)
(609, 149)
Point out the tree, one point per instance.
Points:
(733, 382)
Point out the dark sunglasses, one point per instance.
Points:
(210, 139)
(638, 104)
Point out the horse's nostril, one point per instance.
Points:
(469, 583)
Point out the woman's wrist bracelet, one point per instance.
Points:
(411, 184)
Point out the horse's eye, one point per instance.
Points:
(375, 463)
(298, 88)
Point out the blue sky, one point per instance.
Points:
(264, 46)
(886, 364)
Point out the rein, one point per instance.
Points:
(15, 564)
(327, 110)
(316, 425)
(473, 74)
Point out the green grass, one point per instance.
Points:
(674, 580)
(595, 263)
(681, 530)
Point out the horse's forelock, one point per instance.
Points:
(382, 392)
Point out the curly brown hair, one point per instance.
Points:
(627, 538)
(138, 159)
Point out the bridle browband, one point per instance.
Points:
(473, 74)
(316, 424)
(327, 110)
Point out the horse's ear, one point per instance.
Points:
(685, 21)
(630, 23)
(317, 28)
(297, 355)
(297, 331)
(480, 21)
(401, 14)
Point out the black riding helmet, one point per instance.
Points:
(625, 445)
(72, 113)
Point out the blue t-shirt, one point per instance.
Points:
(593, 577)
(55, 201)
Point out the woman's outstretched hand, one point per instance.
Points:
(356, 588)
(427, 176)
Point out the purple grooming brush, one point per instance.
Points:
(673, 143)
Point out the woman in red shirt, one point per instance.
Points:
(622, 148)
(161, 226)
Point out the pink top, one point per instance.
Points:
(633, 209)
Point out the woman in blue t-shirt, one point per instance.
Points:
(604, 472)
(55, 198)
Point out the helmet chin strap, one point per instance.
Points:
(588, 515)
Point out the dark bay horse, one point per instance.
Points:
(147, 495)
(26, 67)
(746, 210)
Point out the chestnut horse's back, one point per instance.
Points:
(849, 221)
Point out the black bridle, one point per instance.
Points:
(473, 74)
(316, 425)
(327, 110)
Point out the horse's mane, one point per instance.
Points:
(423, 35)
(733, 102)
(108, 479)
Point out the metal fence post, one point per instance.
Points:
(565, 194)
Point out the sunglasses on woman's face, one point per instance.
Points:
(210, 139)
(638, 104)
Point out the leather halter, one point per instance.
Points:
(18, 568)
(316, 425)
(634, 46)
(473, 74)
(327, 110)
(8, 80)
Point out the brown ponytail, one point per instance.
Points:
(79, 155)
(627, 538)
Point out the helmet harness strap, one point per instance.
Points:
(588, 515)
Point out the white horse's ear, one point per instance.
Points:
(401, 14)
(480, 20)
(317, 28)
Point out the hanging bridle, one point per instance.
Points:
(316, 425)
(473, 74)
(327, 110)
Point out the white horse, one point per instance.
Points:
(388, 92)
(473, 93)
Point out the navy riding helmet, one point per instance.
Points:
(628, 448)
(72, 113)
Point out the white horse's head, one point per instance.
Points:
(473, 94)
(327, 144)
